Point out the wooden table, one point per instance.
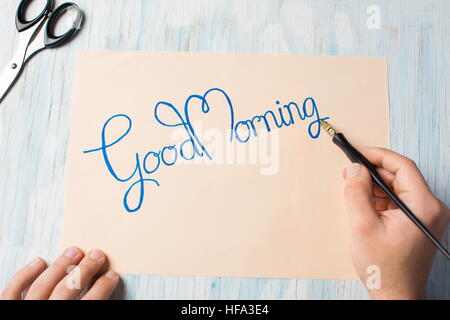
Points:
(34, 118)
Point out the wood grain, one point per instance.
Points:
(35, 116)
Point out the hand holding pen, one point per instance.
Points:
(382, 234)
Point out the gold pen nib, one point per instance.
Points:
(327, 127)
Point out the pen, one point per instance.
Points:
(356, 156)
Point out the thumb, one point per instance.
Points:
(358, 198)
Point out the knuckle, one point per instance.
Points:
(410, 163)
(103, 283)
(89, 264)
(382, 149)
(61, 263)
(87, 269)
(435, 213)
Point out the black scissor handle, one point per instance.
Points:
(50, 39)
(23, 24)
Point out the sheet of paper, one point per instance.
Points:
(214, 164)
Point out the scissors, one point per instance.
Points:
(36, 35)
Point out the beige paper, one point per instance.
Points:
(247, 217)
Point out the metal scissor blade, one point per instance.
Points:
(8, 78)
(15, 65)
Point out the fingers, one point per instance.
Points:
(42, 288)
(387, 159)
(55, 283)
(387, 176)
(78, 279)
(359, 199)
(406, 175)
(23, 279)
(103, 287)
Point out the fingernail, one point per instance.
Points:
(33, 263)
(112, 275)
(352, 171)
(71, 252)
(95, 254)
